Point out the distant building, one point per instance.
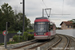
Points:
(66, 25)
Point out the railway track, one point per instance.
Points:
(64, 44)
(45, 45)
(60, 42)
(30, 46)
(67, 44)
(72, 43)
(36, 45)
(14, 46)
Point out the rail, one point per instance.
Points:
(68, 41)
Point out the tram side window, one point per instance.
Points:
(49, 27)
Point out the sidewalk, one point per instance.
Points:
(9, 46)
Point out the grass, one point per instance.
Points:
(11, 42)
(1, 43)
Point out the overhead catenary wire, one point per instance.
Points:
(44, 3)
(46, 10)
(49, 12)
(55, 14)
(62, 7)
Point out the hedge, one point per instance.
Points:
(25, 37)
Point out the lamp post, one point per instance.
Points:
(23, 17)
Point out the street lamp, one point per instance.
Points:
(23, 15)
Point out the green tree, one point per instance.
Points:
(1, 19)
(19, 22)
(7, 16)
(16, 20)
(73, 22)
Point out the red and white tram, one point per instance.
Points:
(43, 28)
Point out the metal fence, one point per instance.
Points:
(9, 35)
(70, 32)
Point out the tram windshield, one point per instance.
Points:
(41, 26)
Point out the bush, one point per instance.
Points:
(12, 31)
(11, 42)
(30, 30)
(18, 38)
(25, 36)
(1, 43)
(15, 38)
(30, 36)
(21, 38)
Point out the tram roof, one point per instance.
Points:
(41, 18)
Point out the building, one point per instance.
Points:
(66, 25)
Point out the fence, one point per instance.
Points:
(70, 32)
(10, 35)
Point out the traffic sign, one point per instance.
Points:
(18, 32)
(4, 33)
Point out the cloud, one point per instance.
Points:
(33, 9)
(71, 3)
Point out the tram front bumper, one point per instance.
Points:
(41, 37)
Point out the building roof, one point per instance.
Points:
(67, 22)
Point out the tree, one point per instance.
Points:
(19, 22)
(7, 15)
(16, 20)
(1, 19)
(73, 22)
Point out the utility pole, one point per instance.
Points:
(42, 12)
(23, 16)
(5, 37)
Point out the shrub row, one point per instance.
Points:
(25, 37)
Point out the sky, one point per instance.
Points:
(33, 9)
